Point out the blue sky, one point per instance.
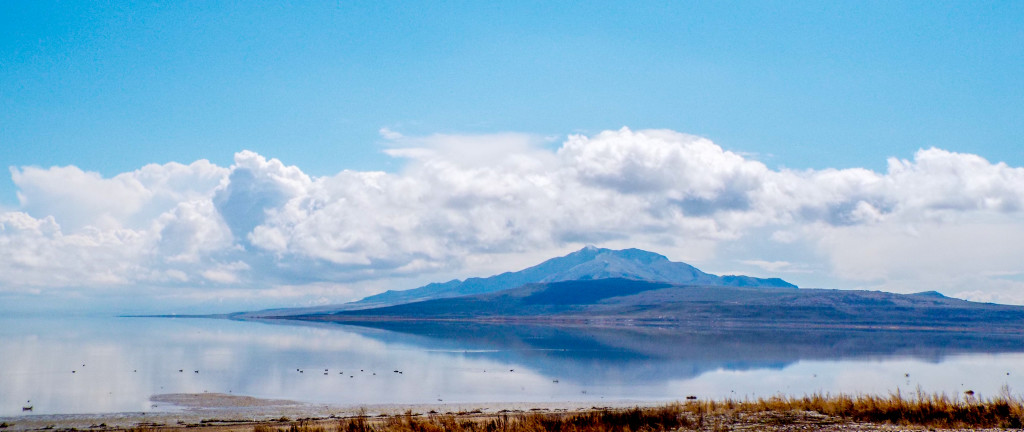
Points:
(108, 88)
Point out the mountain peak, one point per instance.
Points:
(588, 263)
(632, 254)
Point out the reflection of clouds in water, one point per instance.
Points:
(469, 379)
(424, 377)
(219, 358)
(278, 337)
(40, 370)
(985, 374)
(246, 358)
(243, 358)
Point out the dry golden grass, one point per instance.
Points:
(933, 411)
(636, 419)
(814, 412)
(920, 409)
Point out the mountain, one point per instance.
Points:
(589, 263)
(627, 302)
(632, 287)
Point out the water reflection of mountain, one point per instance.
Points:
(662, 353)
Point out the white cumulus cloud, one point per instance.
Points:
(260, 223)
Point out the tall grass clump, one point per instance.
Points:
(932, 410)
(299, 426)
(631, 420)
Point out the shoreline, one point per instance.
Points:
(212, 412)
(218, 409)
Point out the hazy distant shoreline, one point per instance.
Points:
(635, 322)
(595, 321)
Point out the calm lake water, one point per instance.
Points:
(110, 364)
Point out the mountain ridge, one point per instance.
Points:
(623, 302)
(588, 263)
(633, 287)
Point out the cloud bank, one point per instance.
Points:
(461, 204)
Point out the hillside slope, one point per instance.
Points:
(619, 301)
(589, 263)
